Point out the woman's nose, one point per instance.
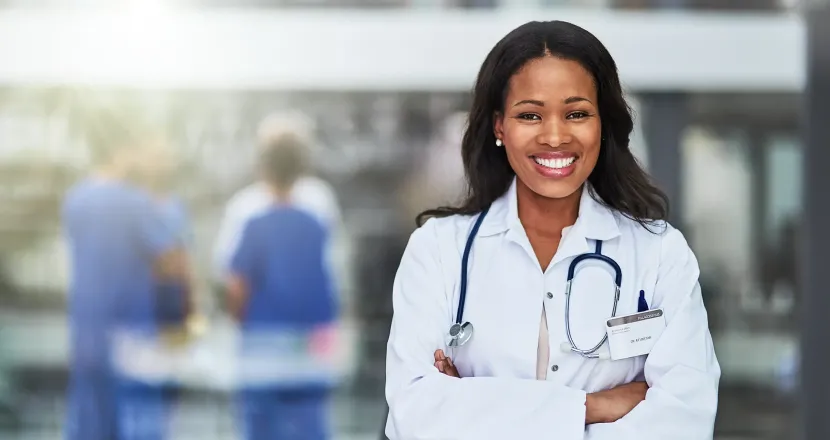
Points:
(554, 133)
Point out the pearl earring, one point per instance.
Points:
(498, 143)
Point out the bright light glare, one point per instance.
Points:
(150, 39)
(146, 8)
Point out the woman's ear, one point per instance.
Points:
(498, 125)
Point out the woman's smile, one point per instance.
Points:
(555, 165)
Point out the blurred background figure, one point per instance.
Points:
(281, 292)
(120, 246)
(309, 193)
(175, 297)
(179, 320)
(438, 180)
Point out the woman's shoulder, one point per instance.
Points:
(436, 246)
(659, 237)
(642, 227)
(445, 227)
(441, 237)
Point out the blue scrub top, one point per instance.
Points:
(282, 259)
(175, 216)
(171, 294)
(114, 233)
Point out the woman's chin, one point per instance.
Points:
(558, 188)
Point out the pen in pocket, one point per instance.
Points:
(642, 305)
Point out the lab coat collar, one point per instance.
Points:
(595, 220)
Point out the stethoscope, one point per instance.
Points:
(461, 332)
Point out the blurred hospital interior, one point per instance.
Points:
(382, 86)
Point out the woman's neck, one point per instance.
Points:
(543, 215)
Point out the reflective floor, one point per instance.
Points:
(744, 414)
(207, 418)
(751, 407)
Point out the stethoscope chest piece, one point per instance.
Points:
(459, 334)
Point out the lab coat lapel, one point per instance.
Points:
(595, 222)
(504, 218)
(515, 230)
(573, 243)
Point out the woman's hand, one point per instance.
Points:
(444, 364)
(611, 405)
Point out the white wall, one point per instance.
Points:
(383, 50)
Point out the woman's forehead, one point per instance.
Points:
(551, 79)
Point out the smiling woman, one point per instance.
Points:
(552, 187)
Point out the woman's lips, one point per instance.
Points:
(555, 165)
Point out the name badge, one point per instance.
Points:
(634, 335)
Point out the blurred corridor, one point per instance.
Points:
(383, 86)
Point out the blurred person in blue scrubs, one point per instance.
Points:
(148, 387)
(281, 293)
(308, 193)
(177, 316)
(119, 247)
(175, 296)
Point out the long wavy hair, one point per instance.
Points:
(617, 180)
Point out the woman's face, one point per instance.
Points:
(551, 126)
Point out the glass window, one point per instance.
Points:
(742, 189)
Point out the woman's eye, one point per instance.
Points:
(529, 117)
(577, 115)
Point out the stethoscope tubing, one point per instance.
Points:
(462, 297)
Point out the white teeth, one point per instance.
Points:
(555, 163)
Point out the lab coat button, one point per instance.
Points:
(554, 368)
(550, 295)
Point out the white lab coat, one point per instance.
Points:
(498, 396)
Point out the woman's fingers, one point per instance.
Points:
(444, 364)
(440, 360)
(452, 371)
